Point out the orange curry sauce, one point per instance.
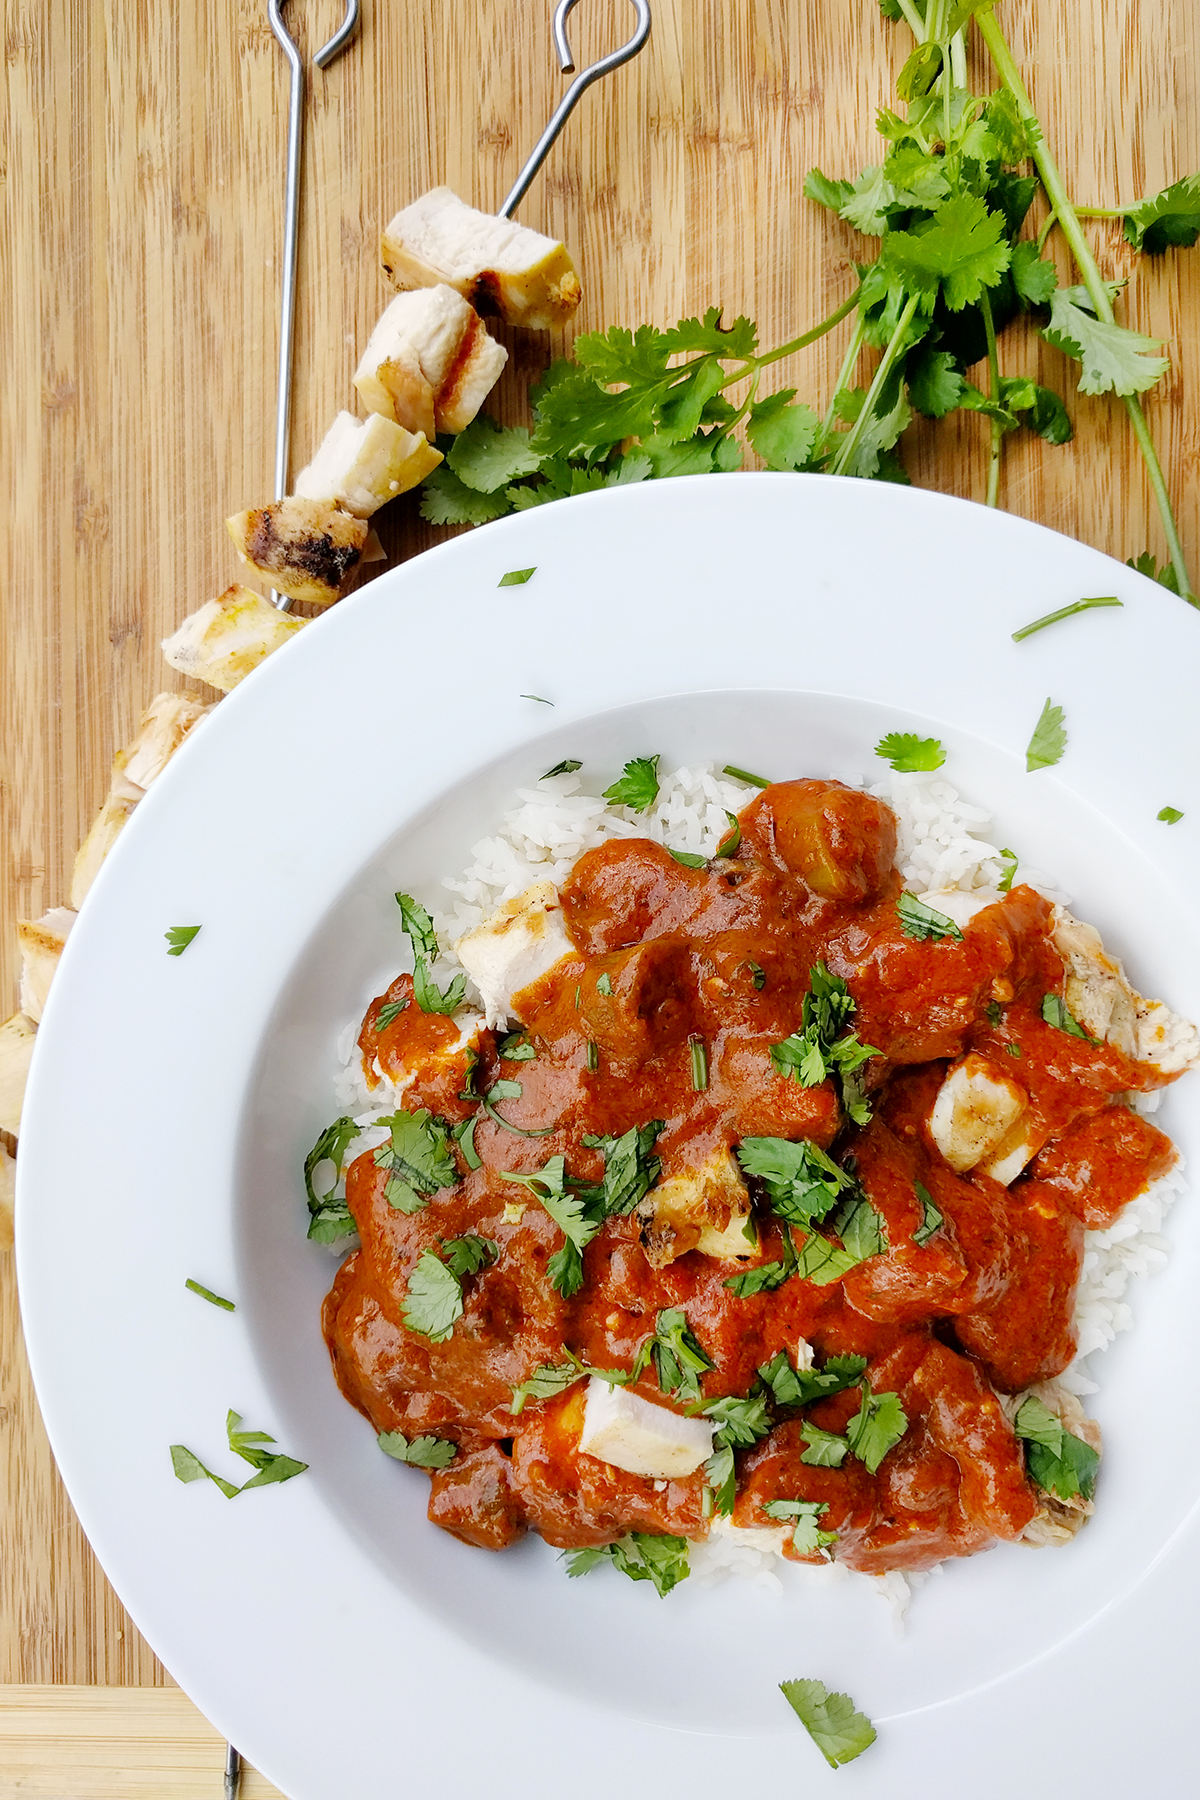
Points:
(722, 954)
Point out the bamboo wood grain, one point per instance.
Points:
(142, 196)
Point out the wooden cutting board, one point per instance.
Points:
(142, 187)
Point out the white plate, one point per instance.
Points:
(780, 623)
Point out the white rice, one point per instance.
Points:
(943, 844)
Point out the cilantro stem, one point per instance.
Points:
(1102, 212)
(857, 431)
(989, 326)
(844, 377)
(916, 23)
(1093, 281)
(1066, 612)
(1048, 224)
(799, 343)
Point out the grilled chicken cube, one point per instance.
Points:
(360, 464)
(41, 942)
(307, 549)
(498, 266)
(705, 1209)
(1099, 996)
(636, 1435)
(960, 904)
(16, 1050)
(521, 942)
(976, 1106)
(229, 637)
(107, 826)
(429, 364)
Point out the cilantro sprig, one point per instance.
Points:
(270, 1466)
(1058, 1461)
(417, 1159)
(643, 1556)
(839, 1732)
(823, 1047)
(909, 754)
(570, 1212)
(329, 1216)
(419, 927)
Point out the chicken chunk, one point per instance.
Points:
(8, 1189)
(705, 1209)
(228, 637)
(1099, 996)
(521, 942)
(307, 549)
(976, 1106)
(636, 1435)
(959, 904)
(1056, 1521)
(41, 942)
(429, 364)
(362, 463)
(16, 1051)
(500, 267)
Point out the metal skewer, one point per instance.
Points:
(575, 92)
(233, 1773)
(327, 54)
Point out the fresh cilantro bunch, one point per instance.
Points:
(943, 210)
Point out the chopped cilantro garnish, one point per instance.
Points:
(731, 842)
(688, 858)
(188, 1467)
(517, 1048)
(568, 766)
(758, 781)
(830, 1720)
(1170, 815)
(802, 1182)
(637, 786)
(1056, 1012)
(207, 1294)
(642, 1556)
(1013, 1050)
(271, 1466)
(330, 1217)
(922, 922)
(464, 1137)
(757, 975)
(433, 1301)
(418, 925)
(179, 937)
(861, 1227)
(817, 1051)
(876, 1427)
(1065, 612)
(468, 1254)
(678, 1356)
(1006, 879)
(432, 999)
(548, 1186)
(799, 1387)
(910, 754)
(823, 1449)
(821, 1262)
(388, 1013)
(739, 1423)
(540, 698)
(1049, 739)
(421, 1453)
(763, 1280)
(417, 1158)
(604, 985)
(995, 1013)
(931, 1218)
(630, 1169)
(592, 1056)
(699, 1053)
(516, 577)
(1058, 1461)
(807, 1535)
(547, 1380)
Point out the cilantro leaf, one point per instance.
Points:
(798, 1387)
(630, 1168)
(271, 1466)
(1060, 1462)
(876, 1427)
(547, 1380)
(909, 753)
(935, 388)
(861, 1228)
(823, 1449)
(1147, 564)
(517, 577)
(433, 1301)
(446, 500)
(1166, 218)
(1169, 815)
(1046, 413)
(687, 859)
(1039, 1425)
(1056, 1012)
(720, 1472)
(487, 456)
(388, 1013)
(821, 1262)
(959, 251)
(826, 192)
(548, 1186)
(923, 922)
(802, 1182)
(188, 1467)
(830, 1720)
(421, 1453)
(1115, 360)
(642, 1556)
(740, 1421)
(468, 1254)
(868, 203)
(783, 434)
(932, 1219)
(433, 999)
(567, 767)
(417, 1158)
(678, 1356)
(807, 1536)
(329, 1217)
(418, 926)
(637, 786)
(207, 1294)
(179, 937)
(1034, 278)
(1049, 739)
(1010, 858)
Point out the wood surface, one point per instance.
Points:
(142, 188)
